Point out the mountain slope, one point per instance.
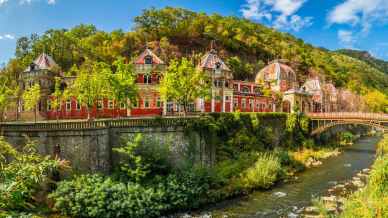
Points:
(367, 57)
(174, 32)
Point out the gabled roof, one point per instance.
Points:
(43, 62)
(211, 60)
(148, 52)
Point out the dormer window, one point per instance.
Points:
(32, 66)
(148, 59)
(218, 65)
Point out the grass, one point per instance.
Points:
(372, 201)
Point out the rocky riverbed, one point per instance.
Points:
(334, 199)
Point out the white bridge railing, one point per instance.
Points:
(349, 116)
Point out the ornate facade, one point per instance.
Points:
(227, 95)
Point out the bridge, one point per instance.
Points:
(324, 121)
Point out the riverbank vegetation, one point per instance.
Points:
(371, 201)
(25, 179)
(253, 151)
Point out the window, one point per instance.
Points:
(148, 59)
(243, 103)
(122, 106)
(147, 79)
(227, 98)
(68, 105)
(170, 107)
(235, 102)
(158, 103)
(257, 90)
(49, 105)
(218, 83)
(235, 87)
(78, 106)
(245, 90)
(135, 103)
(100, 104)
(191, 107)
(159, 78)
(218, 65)
(146, 103)
(251, 104)
(110, 104)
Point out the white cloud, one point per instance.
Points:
(7, 36)
(346, 38)
(2, 2)
(27, 2)
(280, 13)
(362, 13)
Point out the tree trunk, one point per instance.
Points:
(35, 114)
(88, 112)
(184, 109)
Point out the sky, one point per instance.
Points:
(333, 24)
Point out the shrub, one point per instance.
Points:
(263, 174)
(140, 157)
(23, 175)
(185, 190)
(96, 196)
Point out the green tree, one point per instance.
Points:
(24, 175)
(183, 83)
(376, 101)
(91, 84)
(31, 98)
(59, 95)
(5, 95)
(123, 83)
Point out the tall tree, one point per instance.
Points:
(183, 83)
(5, 95)
(91, 84)
(123, 83)
(31, 98)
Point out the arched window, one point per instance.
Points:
(148, 59)
(245, 90)
(286, 106)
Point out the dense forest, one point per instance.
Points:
(367, 57)
(174, 32)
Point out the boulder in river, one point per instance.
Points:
(279, 194)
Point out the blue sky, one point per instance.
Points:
(333, 24)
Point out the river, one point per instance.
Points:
(285, 199)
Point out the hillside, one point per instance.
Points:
(367, 57)
(173, 32)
